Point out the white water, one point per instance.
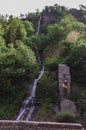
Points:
(28, 105)
(38, 28)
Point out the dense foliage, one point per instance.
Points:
(66, 117)
(64, 43)
(49, 90)
(18, 63)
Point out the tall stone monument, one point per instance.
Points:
(64, 73)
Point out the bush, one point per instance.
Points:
(45, 110)
(81, 103)
(47, 87)
(74, 96)
(66, 117)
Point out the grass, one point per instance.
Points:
(45, 111)
(72, 36)
(54, 51)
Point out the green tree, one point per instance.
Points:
(47, 88)
(69, 23)
(76, 60)
(29, 28)
(55, 32)
(15, 31)
(16, 63)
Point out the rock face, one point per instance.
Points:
(68, 105)
(64, 73)
(50, 18)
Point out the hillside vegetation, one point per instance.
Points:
(62, 40)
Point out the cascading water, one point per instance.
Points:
(28, 104)
(38, 27)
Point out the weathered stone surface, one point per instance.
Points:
(64, 73)
(56, 109)
(68, 105)
(29, 125)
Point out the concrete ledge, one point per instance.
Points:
(31, 125)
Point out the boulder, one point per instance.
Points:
(68, 105)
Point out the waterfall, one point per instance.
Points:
(28, 104)
(38, 27)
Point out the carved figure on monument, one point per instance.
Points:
(65, 87)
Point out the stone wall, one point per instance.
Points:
(29, 125)
(64, 73)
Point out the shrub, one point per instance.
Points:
(47, 87)
(74, 96)
(81, 103)
(66, 117)
(45, 110)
